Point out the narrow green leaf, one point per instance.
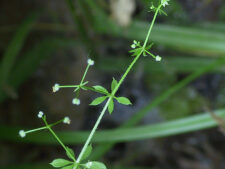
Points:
(123, 100)
(30, 61)
(87, 152)
(98, 101)
(15, 46)
(60, 162)
(111, 106)
(68, 167)
(113, 85)
(149, 46)
(97, 165)
(136, 51)
(162, 129)
(70, 153)
(100, 88)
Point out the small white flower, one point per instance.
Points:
(133, 46)
(22, 133)
(55, 88)
(40, 114)
(66, 120)
(152, 7)
(90, 62)
(164, 2)
(158, 58)
(76, 101)
(89, 164)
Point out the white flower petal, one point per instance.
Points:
(55, 88)
(22, 133)
(90, 62)
(40, 114)
(66, 120)
(76, 101)
(158, 58)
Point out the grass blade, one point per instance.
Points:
(164, 129)
(14, 48)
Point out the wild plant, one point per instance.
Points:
(82, 162)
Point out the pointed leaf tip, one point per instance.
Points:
(111, 106)
(100, 89)
(114, 84)
(60, 162)
(98, 100)
(123, 100)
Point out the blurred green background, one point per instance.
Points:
(48, 42)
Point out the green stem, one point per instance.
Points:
(150, 54)
(93, 131)
(137, 57)
(56, 137)
(151, 26)
(37, 129)
(44, 127)
(68, 86)
(115, 90)
(85, 73)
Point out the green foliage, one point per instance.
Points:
(70, 153)
(123, 100)
(113, 84)
(100, 89)
(68, 167)
(137, 51)
(87, 152)
(60, 163)
(98, 101)
(97, 165)
(16, 44)
(163, 129)
(169, 36)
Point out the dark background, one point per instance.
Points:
(43, 42)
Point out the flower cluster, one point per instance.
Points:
(66, 120)
(135, 44)
(158, 58)
(22, 133)
(164, 2)
(90, 62)
(41, 115)
(139, 49)
(55, 88)
(76, 101)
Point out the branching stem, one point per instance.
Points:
(116, 88)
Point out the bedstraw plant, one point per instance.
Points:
(82, 162)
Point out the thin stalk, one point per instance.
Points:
(68, 86)
(115, 90)
(56, 137)
(151, 26)
(53, 133)
(137, 57)
(44, 127)
(93, 131)
(37, 129)
(85, 73)
(150, 53)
